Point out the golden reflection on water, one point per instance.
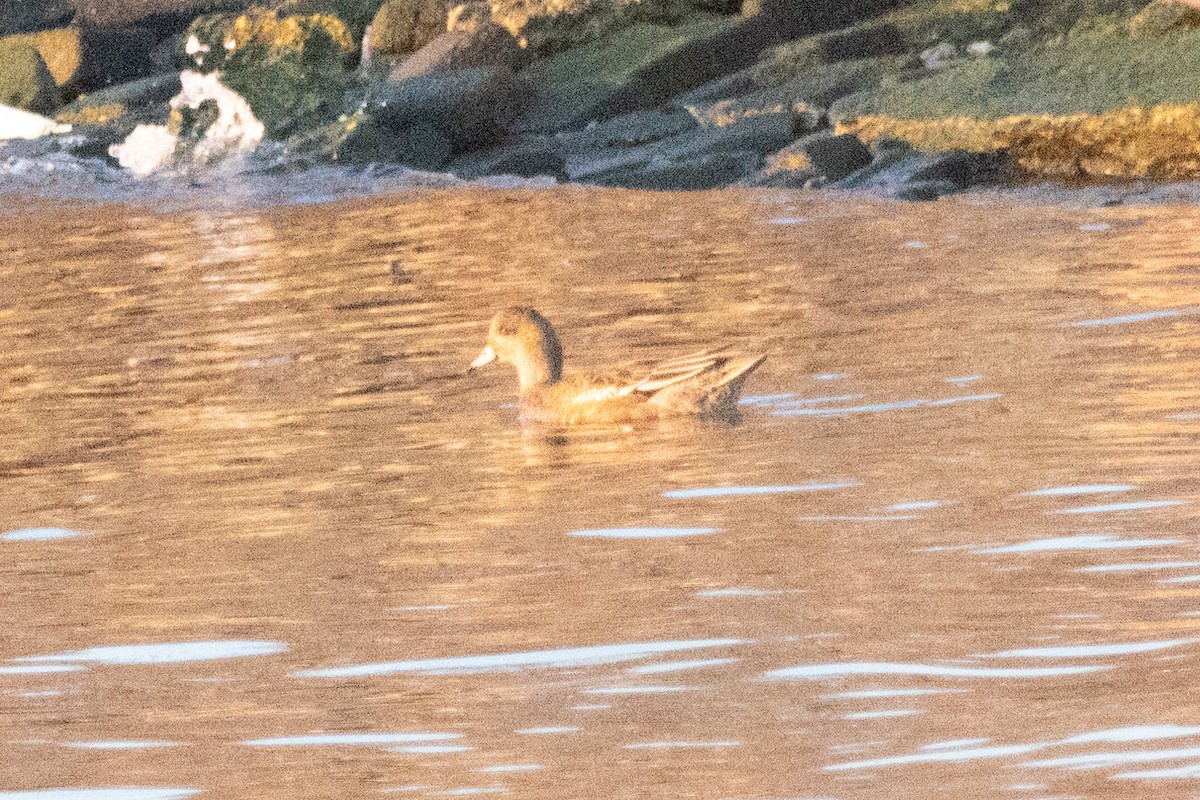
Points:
(261, 419)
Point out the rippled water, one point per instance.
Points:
(262, 536)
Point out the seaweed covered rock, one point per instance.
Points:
(25, 81)
(292, 69)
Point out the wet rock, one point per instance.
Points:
(962, 169)
(485, 45)
(702, 171)
(25, 82)
(473, 108)
(628, 130)
(902, 172)
(401, 27)
(819, 158)
(760, 133)
(527, 158)
(419, 145)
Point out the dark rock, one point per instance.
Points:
(793, 18)
(962, 169)
(725, 87)
(526, 158)
(125, 105)
(761, 133)
(628, 130)
(719, 6)
(819, 158)
(28, 16)
(698, 158)
(573, 87)
(866, 41)
(25, 82)
(902, 172)
(488, 45)
(704, 171)
(419, 145)
(692, 65)
(473, 108)
(924, 191)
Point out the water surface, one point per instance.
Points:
(262, 536)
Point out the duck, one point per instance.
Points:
(705, 384)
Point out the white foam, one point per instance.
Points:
(1087, 541)
(1140, 505)
(351, 739)
(166, 653)
(1087, 488)
(566, 657)
(1091, 651)
(40, 534)
(644, 533)
(813, 672)
(743, 491)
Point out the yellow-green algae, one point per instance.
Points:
(1162, 142)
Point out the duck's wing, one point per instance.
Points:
(678, 370)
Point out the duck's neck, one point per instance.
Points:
(538, 371)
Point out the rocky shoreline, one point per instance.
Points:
(914, 100)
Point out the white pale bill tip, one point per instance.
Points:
(486, 357)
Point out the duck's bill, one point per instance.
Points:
(486, 357)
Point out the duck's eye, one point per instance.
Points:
(507, 327)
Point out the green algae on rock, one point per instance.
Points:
(291, 69)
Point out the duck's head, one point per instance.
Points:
(524, 338)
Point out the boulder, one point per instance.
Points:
(124, 106)
(700, 172)
(900, 171)
(291, 69)
(760, 133)
(420, 145)
(25, 82)
(1163, 16)
(628, 130)
(697, 158)
(578, 86)
(27, 16)
(816, 159)
(548, 27)
(405, 26)
(486, 44)
(86, 58)
(527, 157)
(794, 18)
(473, 108)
